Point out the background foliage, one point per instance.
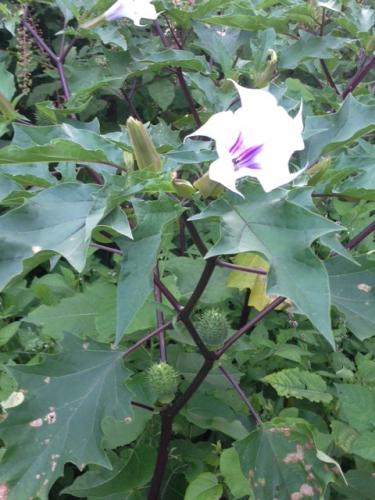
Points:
(90, 247)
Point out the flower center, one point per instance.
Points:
(244, 157)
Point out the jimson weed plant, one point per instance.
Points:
(187, 262)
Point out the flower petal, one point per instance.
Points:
(223, 127)
(133, 9)
(222, 171)
(276, 178)
(255, 98)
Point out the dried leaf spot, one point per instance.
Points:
(282, 430)
(128, 420)
(85, 345)
(296, 496)
(50, 418)
(38, 422)
(307, 490)
(47, 380)
(262, 482)
(293, 458)
(364, 287)
(53, 466)
(45, 482)
(4, 490)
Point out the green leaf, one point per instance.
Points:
(7, 86)
(230, 469)
(59, 219)
(79, 314)
(293, 382)
(204, 487)
(283, 232)
(326, 132)
(162, 92)
(310, 47)
(357, 406)
(249, 22)
(66, 399)
(209, 412)
(136, 275)
(353, 293)
(130, 471)
(280, 460)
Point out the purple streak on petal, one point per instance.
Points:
(247, 158)
(237, 145)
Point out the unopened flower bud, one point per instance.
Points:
(183, 188)
(207, 187)
(144, 150)
(213, 327)
(263, 78)
(163, 380)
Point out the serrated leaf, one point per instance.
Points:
(230, 469)
(309, 47)
(78, 314)
(326, 132)
(357, 406)
(282, 231)
(293, 382)
(132, 470)
(136, 275)
(280, 461)
(353, 293)
(66, 399)
(205, 487)
(59, 219)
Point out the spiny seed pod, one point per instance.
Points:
(144, 150)
(163, 380)
(213, 327)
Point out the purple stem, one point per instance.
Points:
(180, 78)
(359, 76)
(160, 319)
(250, 325)
(39, 40)
(141, 405)
(64, 83)
(236, 267)
(147, 337)
(242, 395)
(245, 310)
(106, 249)
(361, 236)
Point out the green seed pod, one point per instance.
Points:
(144, 150)
(213, 327)
(163, 380)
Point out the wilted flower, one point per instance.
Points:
(257, 140)
(133, 9)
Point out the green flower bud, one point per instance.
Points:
(263, 78)
(94, 23)
(183, 188)
(144, 150)
(163, 380)
(213, 326)
(207, 187)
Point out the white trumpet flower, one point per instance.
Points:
(257, 140)
(132, 9)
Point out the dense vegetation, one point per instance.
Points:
(162, 335)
